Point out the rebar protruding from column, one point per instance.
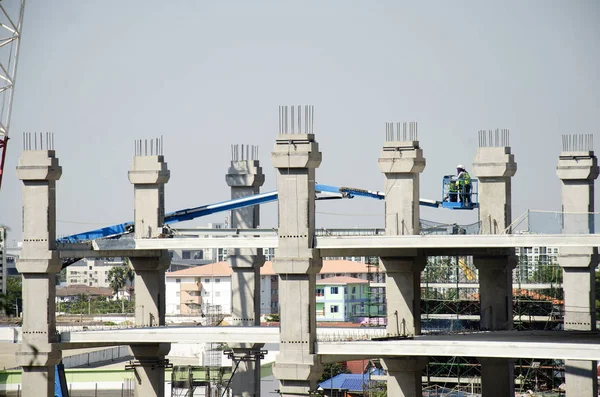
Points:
(403, 131)
(578, 142)
(244, 152)
(494, 138)
(149, 147)
(296, 119)
(38, 141)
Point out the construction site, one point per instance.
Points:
(501, 306)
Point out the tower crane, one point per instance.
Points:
(11, 22)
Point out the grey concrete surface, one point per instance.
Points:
(296, 156)
(245, 177)
(578, 172)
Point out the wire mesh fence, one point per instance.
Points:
(555, 222)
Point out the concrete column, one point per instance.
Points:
(245, 177)
(405, 376)
(494, 167)
(577, 171)
(497, 375)
(38, 263)
(401, 162)
(149, 175)
(296, 156)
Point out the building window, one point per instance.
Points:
(207, 280)
(320, 292)
(217, 294)
(177, 280)
(186, 255)
(353, 290)
(334, 308)
(177, 294)
(90, 268)
(217, 280)
(345, 290)
(333, 290)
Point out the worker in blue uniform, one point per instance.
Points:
(463, 180)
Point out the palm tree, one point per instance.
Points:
(117, 277)
(130, 277)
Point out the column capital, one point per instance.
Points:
(578, 257)
(403, 264)
(149, 170)
(296, 151)
(577, 166)
(241, 260)
(401, 157)
(294, 265)
(39, 165)
(150, 264)
(245, 173)
(49, 262)
(404, 364)
(495, 262)
(494, 162)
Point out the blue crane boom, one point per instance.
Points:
(204, 210)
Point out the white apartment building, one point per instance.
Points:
(92, 272)
(191, 291)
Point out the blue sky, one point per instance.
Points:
(206, 75)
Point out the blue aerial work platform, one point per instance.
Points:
(459, 196)
(324, 191)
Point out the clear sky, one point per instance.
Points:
(206, 74)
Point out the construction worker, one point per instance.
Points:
(452, 191)
(463, 180)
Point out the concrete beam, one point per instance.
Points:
(498, 344)
(380, 245)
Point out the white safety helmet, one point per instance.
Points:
(460, 167)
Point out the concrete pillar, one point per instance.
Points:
(296, 156)
(148, 176)
(497, 375)
(245, 177)
(494, 166)
(38, 263)
(577, 171)
(405, 376)
(401, 162)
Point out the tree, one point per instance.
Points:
(130, 277)
(10, 302)
(117, 278)
(332, 370)
(61, 276)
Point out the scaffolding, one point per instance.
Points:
(375, 308)
(191, 381)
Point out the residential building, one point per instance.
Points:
(190, 291)
(210, 285)
(341, 298)
(70, 293)
(530, 261)
(92, 272)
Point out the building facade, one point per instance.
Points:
(92, 272)
(342, 298)
(210, 286)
